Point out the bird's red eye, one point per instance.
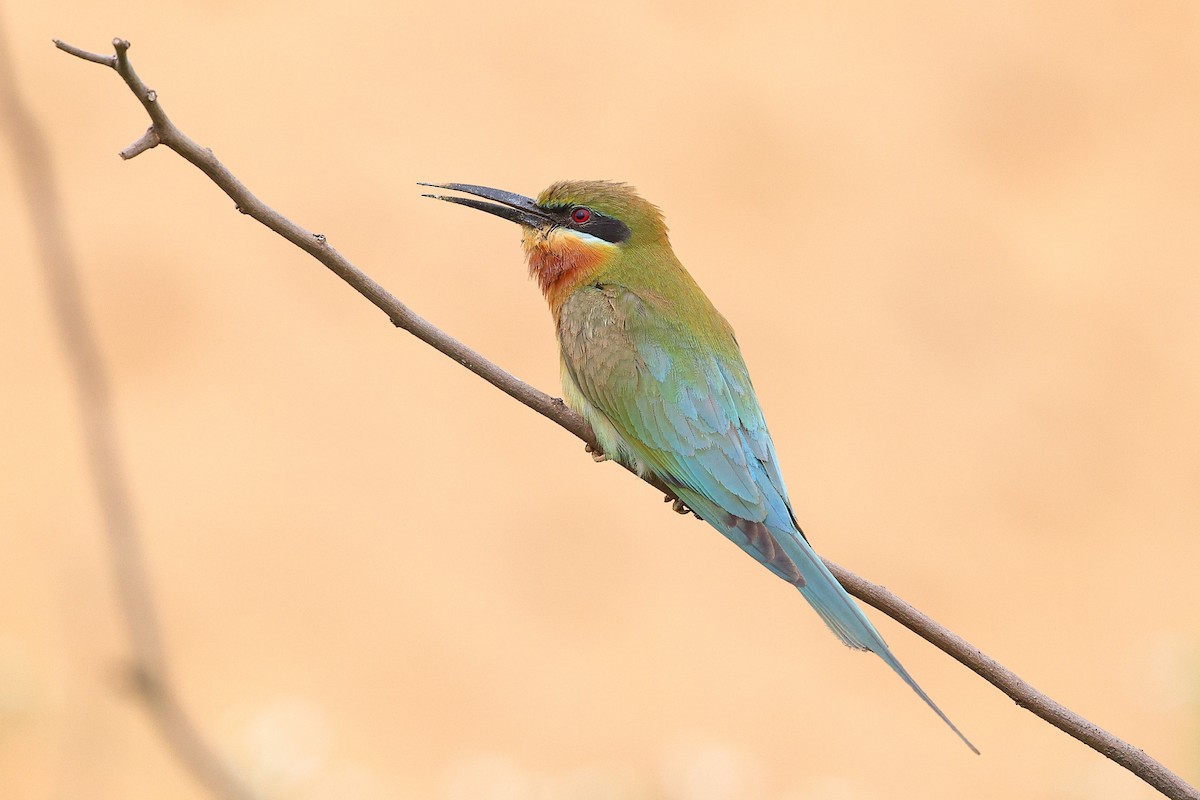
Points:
(581, 215)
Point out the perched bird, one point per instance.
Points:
(657, 372)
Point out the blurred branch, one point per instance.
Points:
(37, 182)
(163, 131)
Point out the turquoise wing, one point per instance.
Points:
(682, 409)
(669, 400)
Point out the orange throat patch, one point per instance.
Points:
(560, 261)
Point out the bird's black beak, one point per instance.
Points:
(513, 207)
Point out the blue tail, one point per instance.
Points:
(846, 619)
(800, 565)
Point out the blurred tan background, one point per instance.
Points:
(959, 243)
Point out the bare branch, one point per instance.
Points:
(108, 61)
(1133, 759)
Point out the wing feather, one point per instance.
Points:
(684, 409)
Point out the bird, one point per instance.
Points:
(657, 372)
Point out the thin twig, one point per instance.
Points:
(1007, 681)
(148, 139)
(148, 666)
(1133, 759)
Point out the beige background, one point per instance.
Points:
(959, 243)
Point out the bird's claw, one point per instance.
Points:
(679, 507)
(597, 456)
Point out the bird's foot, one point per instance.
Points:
(679, 507)
(597, 456)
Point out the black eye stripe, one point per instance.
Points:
(606, 228)
(610, 229)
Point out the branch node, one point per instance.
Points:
(151, 95)
(122, 66)
(320, 237)
(148, 139)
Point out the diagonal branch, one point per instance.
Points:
(163, 131)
